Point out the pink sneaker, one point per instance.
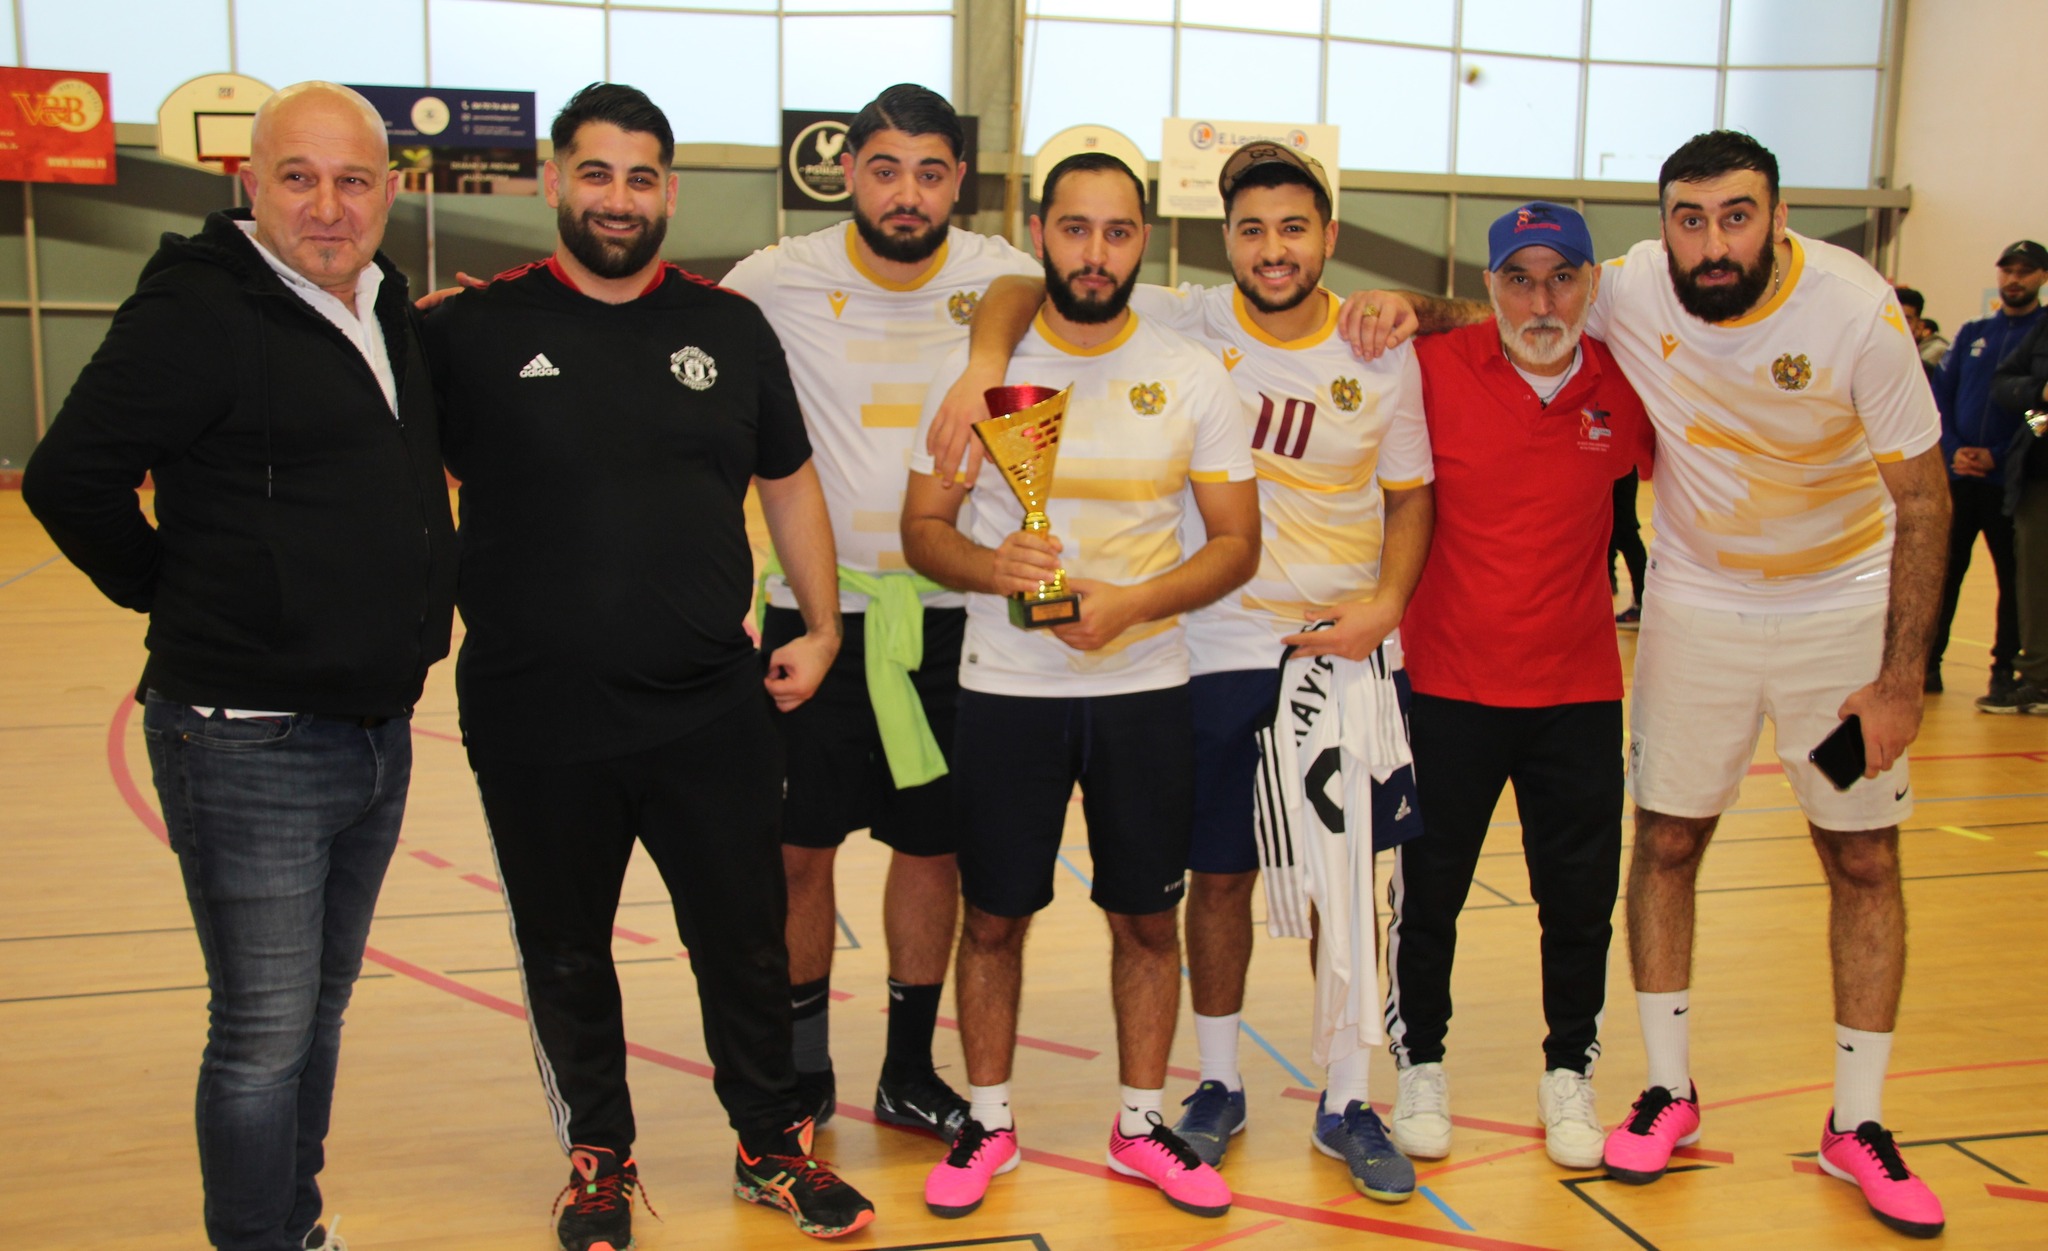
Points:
(957, 1184)
(1164, 1159)
(1639, 1149)
(1868, 1158)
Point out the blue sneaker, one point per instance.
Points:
(1214, 1113)
(1378, 1170)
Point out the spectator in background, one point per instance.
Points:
(1926, 334)
(1975, 437)
(2022, 384)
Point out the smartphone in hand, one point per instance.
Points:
(1839, 756)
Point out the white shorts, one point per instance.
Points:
(1706, 679)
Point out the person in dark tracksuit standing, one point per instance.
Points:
(606, 412)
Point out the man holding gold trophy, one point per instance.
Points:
(1093, 687)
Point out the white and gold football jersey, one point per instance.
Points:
(1151, 411)
(862, 351)
(1327, 432)
(1770, 428)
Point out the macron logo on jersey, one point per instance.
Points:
(540, 367)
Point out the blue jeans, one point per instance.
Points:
(283, 828)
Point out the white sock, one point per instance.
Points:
(1667, 1039)
(1860, 1060)
(1134, 1103)
(1216, 1043)
(991, 1106)
(1347, 1081)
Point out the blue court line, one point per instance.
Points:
(24, 573)
(1085, 879)
(1278, 1059)
(1445, 1208)
(852, 943)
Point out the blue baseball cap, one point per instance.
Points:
(1539, 223)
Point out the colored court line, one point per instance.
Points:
(1274, 1052)
(446, 738)
(431, 860)
(1445, 1208)
(31, 569)
(2017, 1192)
(478, 879)
(1957, 829)
(1775, 766)
(1038, 1044)
(1807, 1166)
(1235, 1235)
(1085, 879)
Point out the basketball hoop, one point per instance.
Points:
(207, 123)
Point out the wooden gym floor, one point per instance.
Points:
(441, 1140)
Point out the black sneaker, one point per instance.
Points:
(1932, 686)
(818, 1095)
(922, 1101)
(1629, 618)
(2018, 698)
(790, 1178)
(598, 1215)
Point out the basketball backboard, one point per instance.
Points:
(207, 122)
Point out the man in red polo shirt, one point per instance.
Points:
(1511, 649)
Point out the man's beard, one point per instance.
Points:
(1089, 312)
(605, 257)
(1528, 356)
(1258, 299)
(1731, 301)
(904, 249)
(2017, 297)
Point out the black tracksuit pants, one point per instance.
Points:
(707, 807)
(1566, 767)
(1978, 507)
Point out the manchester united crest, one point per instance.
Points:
(960, 306)
(694, 368)
(1346, 394)
(1148, 399)
(1791, 373)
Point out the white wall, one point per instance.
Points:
(1973, 146)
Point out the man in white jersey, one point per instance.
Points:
(1329, 435)
(1152, 427)
(1801, 518)
(866, 310)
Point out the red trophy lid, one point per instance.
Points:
(1002, 401)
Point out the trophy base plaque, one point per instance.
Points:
(1029, 612)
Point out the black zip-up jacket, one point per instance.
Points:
(2016, 387)
(303, 557)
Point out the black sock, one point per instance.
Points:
(810, 1026)
(913, 1015)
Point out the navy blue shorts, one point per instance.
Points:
(1229, 709)
(1015, 763)
(838, 778)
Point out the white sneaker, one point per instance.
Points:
(1422, 1113)
(1571, 1128)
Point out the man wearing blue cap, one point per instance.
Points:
(1530, 424)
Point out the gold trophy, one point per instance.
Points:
(1023, 440)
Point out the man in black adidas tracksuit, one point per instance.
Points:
(605, 412)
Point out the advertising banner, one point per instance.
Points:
(460, 141)
(1193, 150)
(54, 126)
(811, 177)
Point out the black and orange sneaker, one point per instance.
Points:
(596, 1206)
(789, 1177)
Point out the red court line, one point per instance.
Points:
(1038, 1044)
(478, 879)
(124, 781)
(1893, 1077)
(1186, 1075)
(2017, 1192)
(431, 860)
(1233, 1236)
(1807, 1166)
(841, 996)
(446, 738)
(631, 936)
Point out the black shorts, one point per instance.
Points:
(1230, 708)
(838, 778)
(1016, 761)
